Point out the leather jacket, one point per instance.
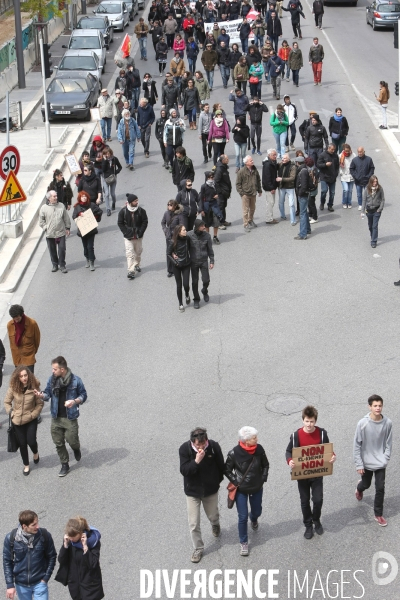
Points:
(237, 462)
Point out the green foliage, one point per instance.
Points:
(42, 9)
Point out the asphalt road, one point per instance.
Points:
(287, 324)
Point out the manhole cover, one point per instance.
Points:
(286, 404)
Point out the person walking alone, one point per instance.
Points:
(133, 221)
(295, 62)
(383, 100)
(318, 12)
(315, 58)
(372, 206)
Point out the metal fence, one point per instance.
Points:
(5, 5)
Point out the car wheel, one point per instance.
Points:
(373, 25)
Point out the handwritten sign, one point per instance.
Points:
(312, 461)
(95, 114)
(73, 164)
(87, 222)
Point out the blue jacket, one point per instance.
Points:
(192, 50)
(134, 131)
(240, 104)
(275, 69)
(145, 116)
(27, 566)
(75, 390)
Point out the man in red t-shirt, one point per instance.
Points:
(309, 435)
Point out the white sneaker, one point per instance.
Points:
(360, 208)
(244, 549)
(344, 205)
(313, 221)
(222, 227)
(349, 206)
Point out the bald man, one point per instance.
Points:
(361, 169)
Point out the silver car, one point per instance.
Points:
(116, 11)
(81, 60)
(89, 39)
(382, 14)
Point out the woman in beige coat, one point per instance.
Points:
(25, 408)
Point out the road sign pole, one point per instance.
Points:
(46, 114)
(398, 116)
(8, 211)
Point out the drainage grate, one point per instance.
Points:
(286, 403)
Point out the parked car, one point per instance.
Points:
(116, 11)
(89, 39)
(72, 94)
(141, 4)
(133, 8)
(80, 60)
(382, 14)
(100, 23)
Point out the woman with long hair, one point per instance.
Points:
(178, 252)
(25, 408)
(346, 177)
(80, 208)
(150, 89)
(372, 206)
(161, 55)
(383, 100)
(173, 216)
(110, 167)
(79, 559)
(192, 51)
(295, 62)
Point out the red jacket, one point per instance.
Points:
(283, 53)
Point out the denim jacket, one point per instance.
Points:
(27, 566)
(75, 390)
(134, 131)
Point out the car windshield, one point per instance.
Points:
(78, 63)
(109, 9)
(68, 85)
(388, 8)
(91, 24)
(90, 42)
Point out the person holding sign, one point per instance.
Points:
(309, 435)
(80, 208)
(372, 450)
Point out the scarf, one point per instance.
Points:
(19, 330)
(219, 121)
(211, 183)
(374, 189)
(281, 115)
(249, 449)
(343, 157)
(60, 382)
(177, 59)
(337, 118)
(132, 209)
(24, 537)
(93, 536)
(315, 45)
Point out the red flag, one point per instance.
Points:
(126, 46)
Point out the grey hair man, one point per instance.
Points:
(270, 184)
(286, 179)
(202, 467)
(55, 222)
(248, 184)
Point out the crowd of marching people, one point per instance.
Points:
(183, 38)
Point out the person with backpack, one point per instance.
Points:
(328, 166)
(29, 558)
(303, 190)
(318, 12)
(313, 189)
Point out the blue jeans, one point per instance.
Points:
(192, 113)
(324, 190)
(359, 190)
(347, 187)
(210, 78)
(280, 139)
(259, 40)
(135, 98)
(192, 64)
(292, 209)
(240, 151)
(143, 47)
(245, 45)
(243, 511)
(109, 193)
(267, 75)
(128, 148)
(39, 591)
(373, 221)
(255, 89)
(106, 127)
(304, 219)
(295, 73)
(287, 70)
(225, 74)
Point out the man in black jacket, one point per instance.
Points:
(274, 30)
(133, 85)
(361, 169)
(328, 165)
(201, 249)
(132, 221)
(224, 55)
(269, 184)
(170, 95)
(29, 558)
(223, 185)
(182, 167)
(256, 108)
(202, 467)
(314, 138)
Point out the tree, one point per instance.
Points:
(42, 9)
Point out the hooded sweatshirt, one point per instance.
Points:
(372, 443)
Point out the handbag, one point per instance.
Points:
(12, 442)
(232, 488)
(111, 178)
(253, 79)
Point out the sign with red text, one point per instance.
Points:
(312, 461)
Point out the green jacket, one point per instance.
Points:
(279, 126)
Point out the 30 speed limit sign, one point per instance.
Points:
(9, 161)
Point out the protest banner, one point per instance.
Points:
(312, 461)
(232, 27)
(87, 222)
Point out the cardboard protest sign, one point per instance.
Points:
(87, 222)
(73, 164)
(312, 461)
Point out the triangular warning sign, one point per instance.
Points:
(12, 191)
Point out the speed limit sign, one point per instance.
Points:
(9, 161)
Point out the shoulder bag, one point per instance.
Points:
(111, 178)
(12, 442)
(232, 488)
